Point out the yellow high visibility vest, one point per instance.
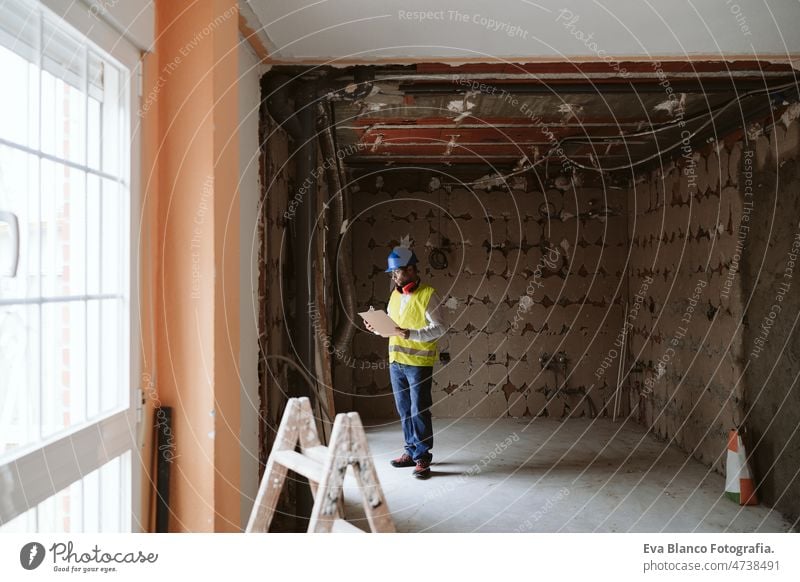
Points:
(406, 351)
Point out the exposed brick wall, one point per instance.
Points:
(497, 239)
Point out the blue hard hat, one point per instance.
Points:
(401, 257)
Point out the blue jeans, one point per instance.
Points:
(412, 396)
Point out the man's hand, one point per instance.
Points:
(370, 328)
(404, 332)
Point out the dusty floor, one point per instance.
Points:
(548, 476)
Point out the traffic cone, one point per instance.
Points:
(739, 485)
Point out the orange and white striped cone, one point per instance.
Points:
(739, 485)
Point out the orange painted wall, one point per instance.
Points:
(191, 207)
(227, 267)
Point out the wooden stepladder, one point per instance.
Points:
(325, 469)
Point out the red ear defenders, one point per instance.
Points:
(408, 287)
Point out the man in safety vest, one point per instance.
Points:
(417, 310)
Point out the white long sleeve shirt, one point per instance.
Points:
(434, 314)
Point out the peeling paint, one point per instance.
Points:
(791, 113)
(570, 111)
(525, 303)
(519, 183)
(460, 105)
(672, 106)
(489, 181)
(754, 131)
(562, 183)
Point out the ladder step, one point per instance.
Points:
(343, 526)
(301, 464)
(318, 453)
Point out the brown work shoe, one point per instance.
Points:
(403, 460)
(422, 470)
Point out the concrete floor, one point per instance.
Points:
(548, 476)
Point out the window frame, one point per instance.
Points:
(33, 473)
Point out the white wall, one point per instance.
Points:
(132, 19)
(249, 192)
(477, 29)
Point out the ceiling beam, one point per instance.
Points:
(527, 60)
(573, 87)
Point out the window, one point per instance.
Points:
(88, 505)
(65, 266)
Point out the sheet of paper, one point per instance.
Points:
(380, 321)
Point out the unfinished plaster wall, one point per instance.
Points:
(517, 284)
(686, 337)
(716, 236)
(771, 339)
